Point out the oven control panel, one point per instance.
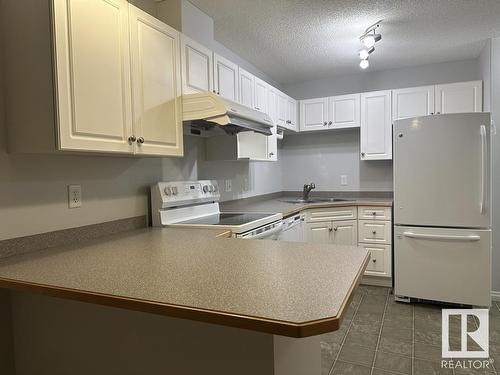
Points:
(179, 193)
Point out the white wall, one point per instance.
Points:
(322, 157)
(429, 74)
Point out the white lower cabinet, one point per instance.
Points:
(342, 232)
(373, 232)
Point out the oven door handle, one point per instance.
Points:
(278, 228)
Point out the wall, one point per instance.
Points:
(495, 142)
(484, 68)
(429, 74)
(321, 157)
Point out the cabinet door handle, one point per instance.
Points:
(131, 139)
(362, 154)
(335, 229)
(140, 140)
(330, 229)
(257, 108)
(329, 122)
(325, 123)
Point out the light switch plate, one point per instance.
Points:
(74, 196)
(343, 179)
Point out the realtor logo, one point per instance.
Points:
(479, 335)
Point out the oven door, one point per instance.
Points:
(266, 232)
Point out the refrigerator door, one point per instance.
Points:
(448, 265)
(441, 170)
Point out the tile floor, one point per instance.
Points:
(382, 337)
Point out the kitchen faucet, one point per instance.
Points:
(307, 190)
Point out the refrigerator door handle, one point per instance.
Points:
(471, 237)
(482, 204)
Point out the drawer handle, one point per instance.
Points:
(374, 213)
(374, 260)
(374, 232)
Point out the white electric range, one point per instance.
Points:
(195, 204)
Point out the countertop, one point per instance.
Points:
(291, 289)
(272, 203)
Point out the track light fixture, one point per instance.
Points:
(368, 39)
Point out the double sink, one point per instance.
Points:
(313, 200)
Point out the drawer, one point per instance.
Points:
(330, 214)
(380, 260)
(374, 213)
(374, 231)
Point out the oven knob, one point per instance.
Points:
(167, 190)
(205, 188)
(174, 190)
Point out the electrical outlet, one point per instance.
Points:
(74, 196)
(229, 185)
(343, 179)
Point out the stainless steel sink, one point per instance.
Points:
(313, 200)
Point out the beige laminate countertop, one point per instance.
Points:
(291, 289)
(286, 209)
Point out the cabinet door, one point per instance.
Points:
(459, 97)
(225, 78)
(412, 102)
(272, 111)
(260, 95)
(93, 75)
(344, 111)
(197, 67)
(318, 232)
(156, 78)
(282, 110)
(292, 114)
(246, 85)
(314, 114)
(376, 125)
(345, 232)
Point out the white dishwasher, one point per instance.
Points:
(292, 229)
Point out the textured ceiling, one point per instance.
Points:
(298, 40)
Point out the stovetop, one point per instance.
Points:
(233, 218)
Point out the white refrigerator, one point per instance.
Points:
(442, 208)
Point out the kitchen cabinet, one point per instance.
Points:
(226, 78)
(292, 114)
(344, 111)
(94, 89)
(376, 125)
(459, 97)
(287, 112)
(272, 111)
(335, 112)
(411, 102)
(260, 95)
(380, 260)
(197, 67)
(333, 232)
(111, 88)
(314, 114)
(156, 83)
(246, 87)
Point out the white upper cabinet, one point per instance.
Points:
(292, 114)
(197, 67)
(282, 109)
(459, 97)
(246, 86)
(412, 102)
(272, 111)
(376, 125)
(260, 95)
(314, 114)
(225, 78)
(93, 75)
(156, 82)
(335, 112)
(344, 111)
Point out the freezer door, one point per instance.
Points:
(448, 265)
(441, 170)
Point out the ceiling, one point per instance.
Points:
(299, 40)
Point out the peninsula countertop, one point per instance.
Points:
(284, 288)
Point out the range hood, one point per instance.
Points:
(207, 111)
